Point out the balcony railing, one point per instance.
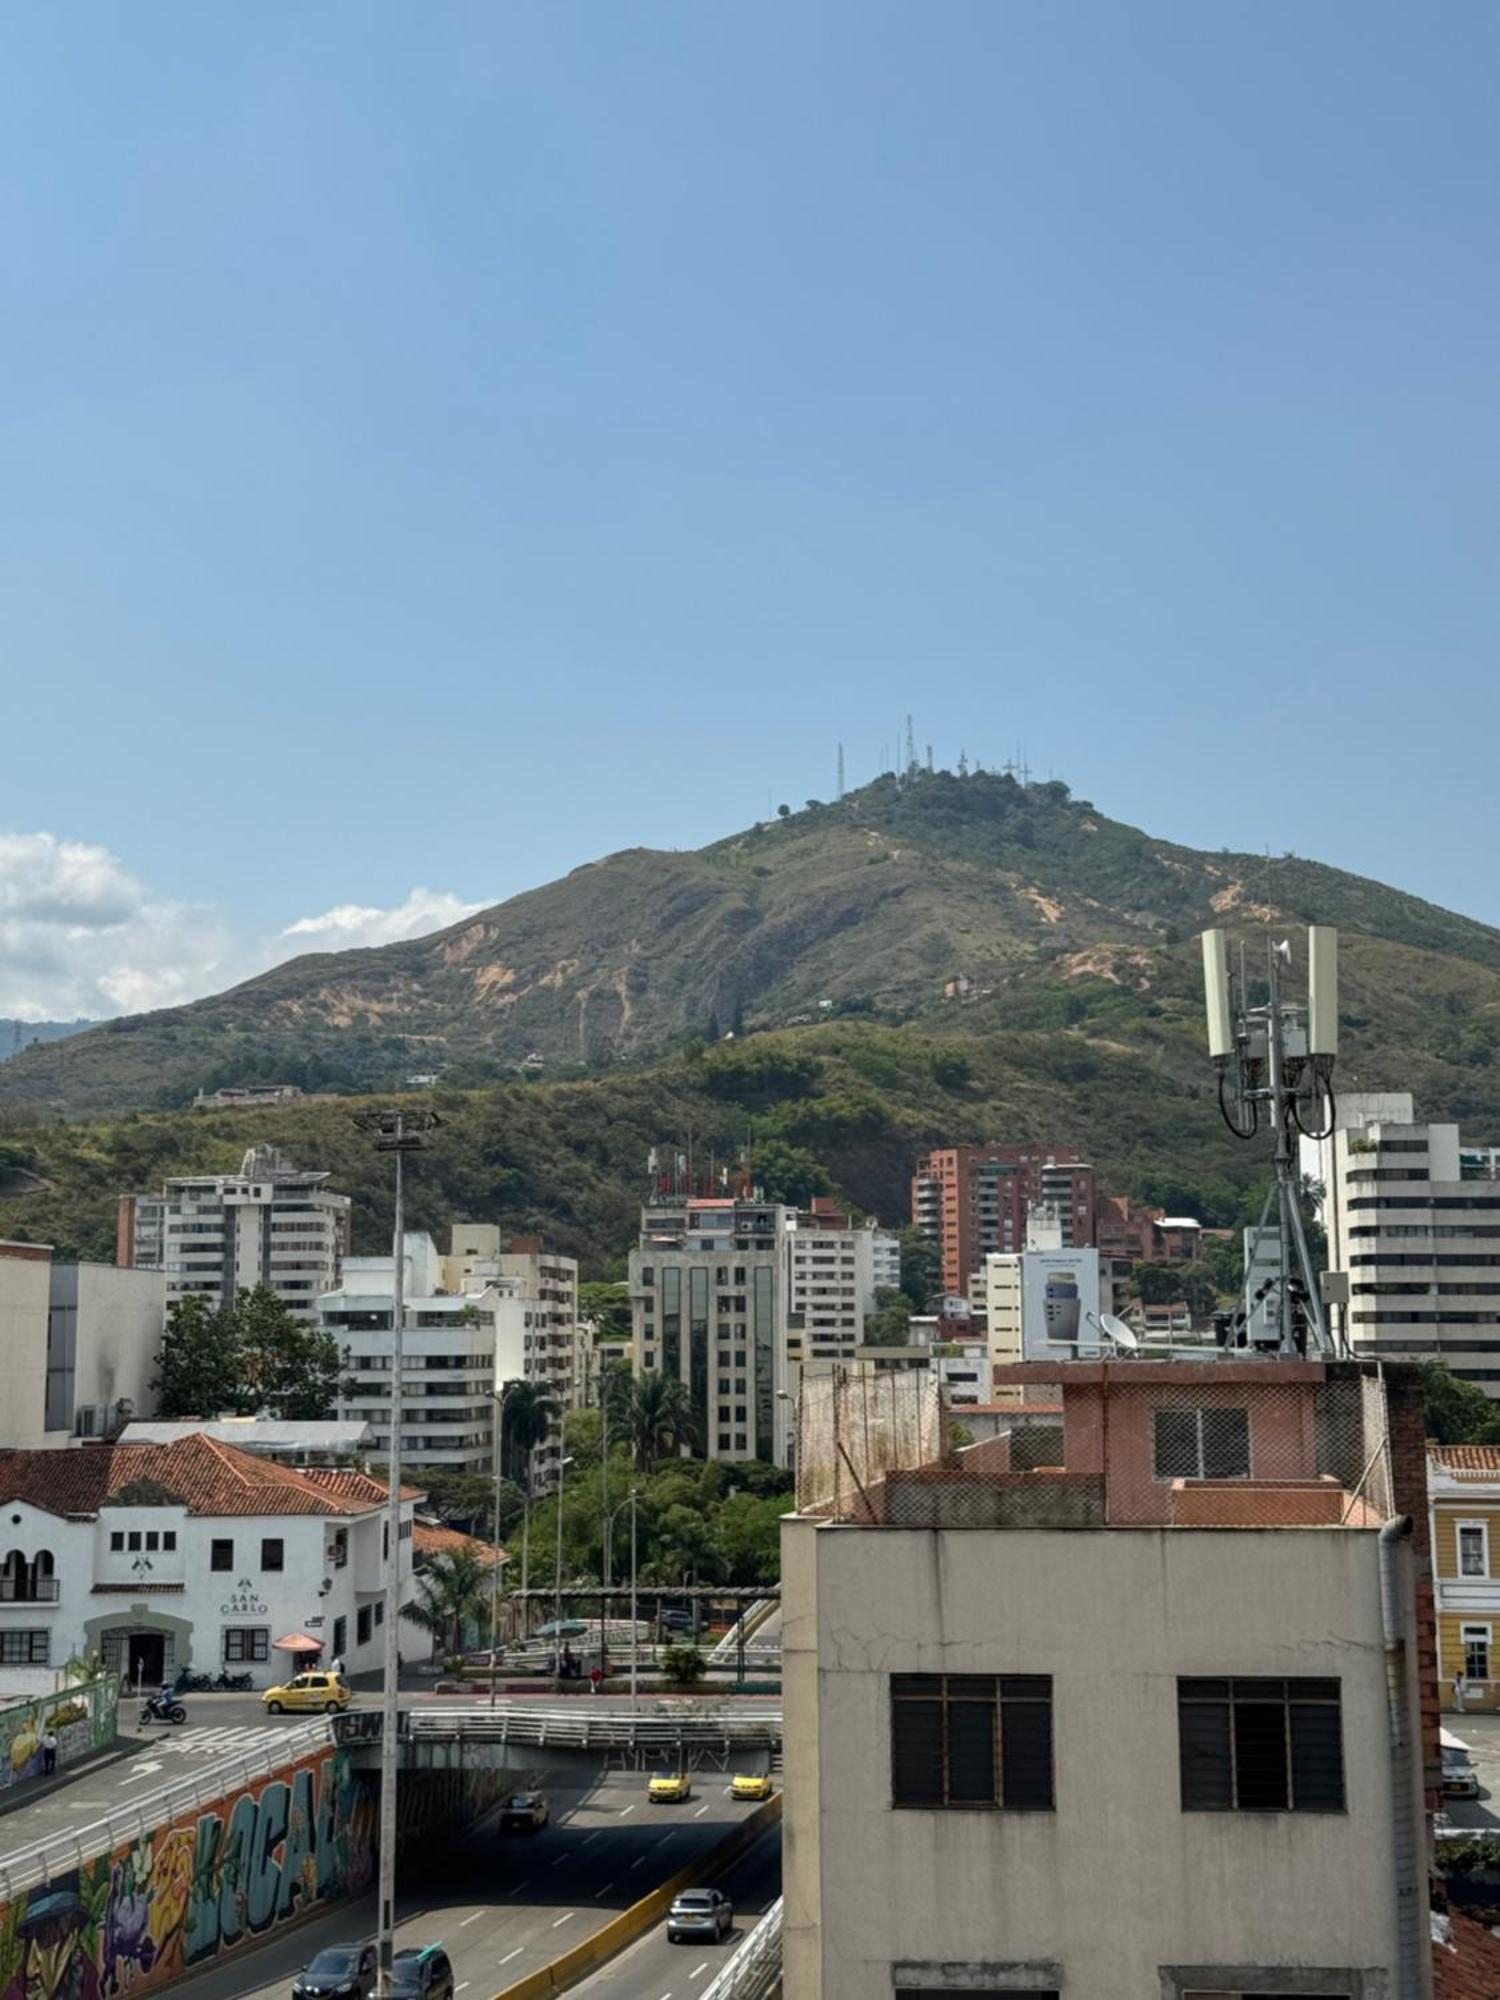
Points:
(29, 1590)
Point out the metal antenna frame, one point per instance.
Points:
(1264, 1070)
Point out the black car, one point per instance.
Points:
(422, 1975)
(341, 1972)
(524, 1812)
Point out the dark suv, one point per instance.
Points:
(422, 1975)
(341, 1972)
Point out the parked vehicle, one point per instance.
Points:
(190, 1683)
(669, 1788)
(328, 1692)
(234, 1683)
(422, 1975)
(525, 1812)
(1460, 1779)
(161, 1708)
(340, 1972)
(699, 1913)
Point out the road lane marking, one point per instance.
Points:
(513, 1954)
(700, 1812)
(626, 1809)
(640, 1862)
(590, 1836)
(697, 1969)
(519, 1887)
(561, 1859)
(604, 1891)
(563, 1919)
(461, 1986)
(471, 1920)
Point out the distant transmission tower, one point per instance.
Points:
(911, 748)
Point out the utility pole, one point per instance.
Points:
(499, 1395)
(398, 1132)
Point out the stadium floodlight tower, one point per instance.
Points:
(1275, 1061)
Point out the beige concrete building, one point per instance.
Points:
(79, 1343)
(1120, 1728)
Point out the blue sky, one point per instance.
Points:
(444, 444)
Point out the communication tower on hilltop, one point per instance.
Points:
(1275, 1063)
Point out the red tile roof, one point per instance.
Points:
(201, 1473)
(1467, 1457)
(1465, 1961)
(356, 1485)
(429, 1542)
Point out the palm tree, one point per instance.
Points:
(530, 1417)
(452, 1591)
(659, 1420)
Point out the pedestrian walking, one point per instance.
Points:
(336, 1665)
(596, 1678)
(1458, 1690)
(49, 1752)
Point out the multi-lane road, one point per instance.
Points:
(504, 1907)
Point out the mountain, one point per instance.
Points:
(1054, 914)
(17, 1035)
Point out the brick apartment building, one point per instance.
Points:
(972, 1200)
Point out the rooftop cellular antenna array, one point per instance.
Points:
(1275, 1065)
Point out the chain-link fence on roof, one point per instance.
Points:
(853, 1428)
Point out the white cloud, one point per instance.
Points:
(81, 935)
(348, 925)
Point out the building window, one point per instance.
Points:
(153, 1541)
(1260, 1746)
(340, 1637)
(1473, 1548)
(362, 1624)
(379, 1611)
(169, 1539)
(272, 1552)
(221, 1555)
(24, 1649)
(1202, 1444)
(133, 1540)
(117, 1540)
(1476, 1645)
(246, 1642)
(972, 1741)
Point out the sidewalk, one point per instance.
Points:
(38, 1807)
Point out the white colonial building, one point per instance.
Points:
(190, 1553)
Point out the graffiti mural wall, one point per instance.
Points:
(194, 1889)
(82, 1718)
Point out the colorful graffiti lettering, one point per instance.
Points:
(194, 1889)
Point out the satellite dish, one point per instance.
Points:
(1119, 1332)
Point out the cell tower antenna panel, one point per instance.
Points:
(1322, 990)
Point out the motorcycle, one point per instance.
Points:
(234, 1683)
(155, 1709)
(190, 1683)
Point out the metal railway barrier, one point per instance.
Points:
(754, 1973)
(638, 1919)
(583, 1724)
(44, 1859)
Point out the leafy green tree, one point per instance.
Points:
(530, 1414)
(291, 1368)
(453, 1592)
(1457, 1412)
(746, 1530)
(789, 1173)
(919, 1268)
(660, 1421)
(1157, 1284)
(607, 1309)
(889, 1325)
(1223, 1259)
(198, 1363)
(466, 1500)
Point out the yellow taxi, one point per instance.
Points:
(750, 1785)
(328, 1694)
(670, 1788)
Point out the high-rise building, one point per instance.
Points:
(486, 1314)
(831, 1283)
(972, 1200)
(215, 1235)
(80, 1343)
(1250, 1731)
(1419, 1244)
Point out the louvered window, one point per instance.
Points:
(1260, 1745)
(972, 1741)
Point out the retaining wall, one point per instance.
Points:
(82, 1717)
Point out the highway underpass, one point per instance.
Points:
(507, 1905)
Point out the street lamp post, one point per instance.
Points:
(635, 1637)
(398, 1132)
(497, 1396)
(562, 1480)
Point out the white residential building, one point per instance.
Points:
(486, 1314)
(831, 1283)
(1420, 1245)
(191, 1553)
(885, 1258)
(79, 1342)
(215, 1235)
